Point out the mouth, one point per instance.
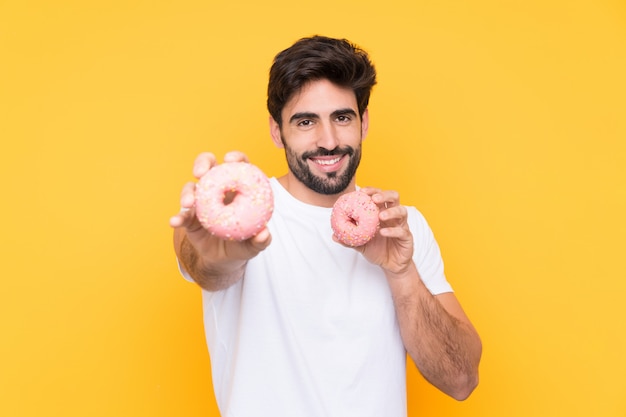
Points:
(329, 163)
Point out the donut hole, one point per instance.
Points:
(229, 197)
(353, 220)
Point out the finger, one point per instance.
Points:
(183, 218)
(178, 220)
(370, 190)
(235, 156)
(187, 201)
(188, 195)
(261, 240)
(203, 163)
(336, 239)
(397, 232)
(398, 213)
(387, 198)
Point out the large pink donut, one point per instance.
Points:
(234, 200)
(354, 218)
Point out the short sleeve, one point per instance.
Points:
(427, 256)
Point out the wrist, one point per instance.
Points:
(401, 270)
(407, 271)
(210, 274)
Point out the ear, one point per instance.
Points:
(275, 133)
(365, 123)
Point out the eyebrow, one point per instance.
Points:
(311, 115)
(303, 115)
(345, 111)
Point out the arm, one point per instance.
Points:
(435, 331)
(213, 263)
(437, 334)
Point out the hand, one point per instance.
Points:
(392, 246)
(211, 258)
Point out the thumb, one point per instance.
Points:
(261, 240)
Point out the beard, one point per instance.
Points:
(330, 183)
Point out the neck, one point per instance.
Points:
(306, 195)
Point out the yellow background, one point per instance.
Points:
(503, 121)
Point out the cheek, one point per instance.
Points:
(299, 140)
(350, 135)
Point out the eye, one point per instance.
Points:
(344, 118)
(305, 123)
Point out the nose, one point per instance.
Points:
(327, 136)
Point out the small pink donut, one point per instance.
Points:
(354, 218)
(234, 200)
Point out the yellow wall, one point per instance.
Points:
(503, 121)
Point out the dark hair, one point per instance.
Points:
(317, 58)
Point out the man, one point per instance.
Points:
(296, 323)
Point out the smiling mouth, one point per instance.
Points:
(327, 161)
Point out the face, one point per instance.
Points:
(322, 134)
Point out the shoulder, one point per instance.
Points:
(417, 221)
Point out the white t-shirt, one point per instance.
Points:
(310, 330)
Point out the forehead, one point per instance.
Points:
(320, 97)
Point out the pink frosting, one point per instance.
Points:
(234, 200)
(354, 218)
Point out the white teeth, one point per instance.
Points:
(327, 161)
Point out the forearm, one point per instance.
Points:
(444, 346)
(209, 275)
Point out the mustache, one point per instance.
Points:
(338, 151)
